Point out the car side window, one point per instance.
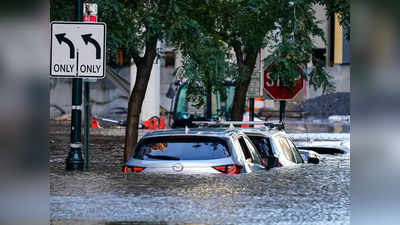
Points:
(245, 149)
(286, 149)
(296, 153)
(263, 145)
(255, 155)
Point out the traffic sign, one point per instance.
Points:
(254, 89)
(90, 12)
(281, 93)
(78, 49)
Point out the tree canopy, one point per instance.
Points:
(286, 27)
(219, 39)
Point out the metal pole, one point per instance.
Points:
(251, 113)
(86, 102)
(282, 110)
(74, 160)
(87, 122)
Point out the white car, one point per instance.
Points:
(272, 143)
(278, 149)
(199, 150)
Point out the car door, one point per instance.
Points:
(295, 151)
(253, 159)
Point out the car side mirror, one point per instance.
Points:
(313, 160)
(310, 156)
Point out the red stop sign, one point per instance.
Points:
(89, 18)
(281, 93)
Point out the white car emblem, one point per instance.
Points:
(177, 167)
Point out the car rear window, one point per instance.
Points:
(182, 148)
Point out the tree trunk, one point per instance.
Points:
(246, 66)
(144, 67)
(239, 100)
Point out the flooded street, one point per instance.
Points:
(304, 194)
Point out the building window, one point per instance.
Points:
(319, 56)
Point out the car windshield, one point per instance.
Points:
(182, 148)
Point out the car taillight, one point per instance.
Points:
(133, 169)
(229, 169)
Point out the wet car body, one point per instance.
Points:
(199, 150)
(323, 143)
(278, 149)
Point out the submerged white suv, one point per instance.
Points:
(199, 150)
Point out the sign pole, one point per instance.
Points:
(251, 113)
(254, 91)
(87, 122)
(74, 159)
(282, 110)
(88, 17)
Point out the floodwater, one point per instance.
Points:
(303, 194)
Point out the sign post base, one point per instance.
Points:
(74, 160)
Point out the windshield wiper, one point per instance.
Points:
(165, 157)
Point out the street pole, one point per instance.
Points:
(251, 113)
(87, 122)
(282, 110)
(90, 15)
(74, 160)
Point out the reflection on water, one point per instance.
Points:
(304, 194)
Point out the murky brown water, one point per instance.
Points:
(304, 194)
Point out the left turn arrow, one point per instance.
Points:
(88, 38)
(61, 38)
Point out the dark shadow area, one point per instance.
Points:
(324, 150)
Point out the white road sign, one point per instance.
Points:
(78, 49)
(254, 89)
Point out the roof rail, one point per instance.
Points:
(268, 124)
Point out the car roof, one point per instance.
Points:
(262, 131)
(212, 132)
